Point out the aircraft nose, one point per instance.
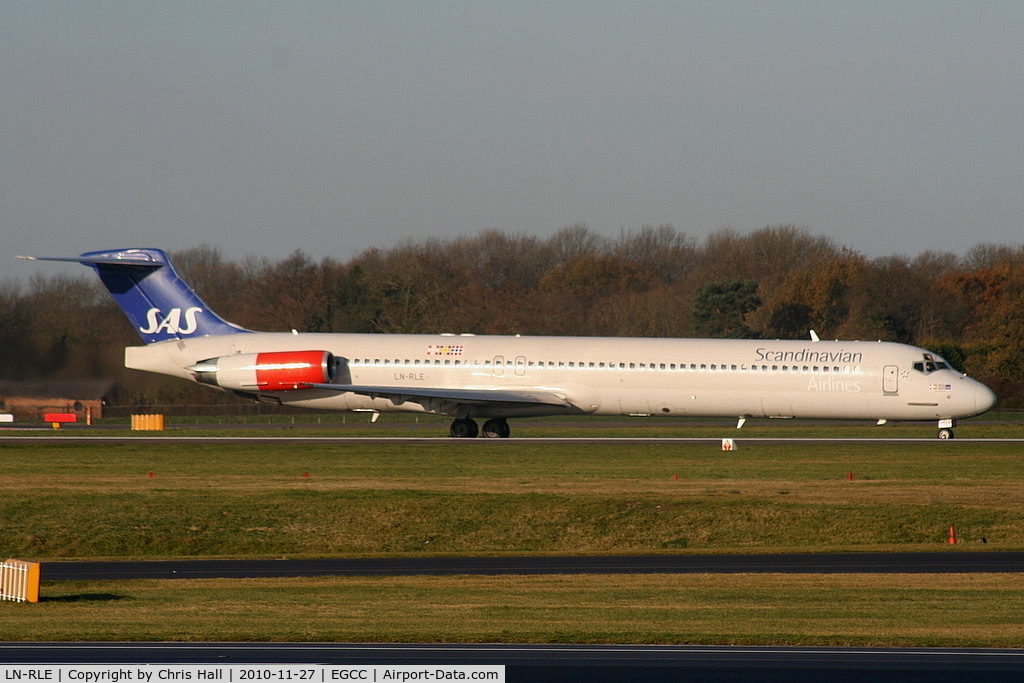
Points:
(984, 398)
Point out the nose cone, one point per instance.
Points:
(984, 398)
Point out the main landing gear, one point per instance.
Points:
(466, 428)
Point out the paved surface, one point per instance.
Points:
(951, 561)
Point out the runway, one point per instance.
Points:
(43, 436)
(951, 561)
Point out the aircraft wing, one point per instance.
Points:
(477, 397)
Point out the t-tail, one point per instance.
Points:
(156, 300)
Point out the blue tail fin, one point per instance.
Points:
(156, 300)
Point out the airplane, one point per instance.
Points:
(494, 378)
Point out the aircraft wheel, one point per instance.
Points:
(464, 429)
(945, 433)
(497, 428)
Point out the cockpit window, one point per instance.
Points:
(930, 364)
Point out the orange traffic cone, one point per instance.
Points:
(952, 534)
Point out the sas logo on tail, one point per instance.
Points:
(171, 323)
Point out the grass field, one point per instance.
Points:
(89, 500)
(853, 610)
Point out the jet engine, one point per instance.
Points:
(271, 371)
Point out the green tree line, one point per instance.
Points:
(779, 282)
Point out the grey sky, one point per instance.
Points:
(262, 127)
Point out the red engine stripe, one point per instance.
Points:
(282, 370)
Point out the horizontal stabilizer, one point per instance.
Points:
(142, 260)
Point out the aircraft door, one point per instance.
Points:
(520, 365)
(498, 368)
(890, 379)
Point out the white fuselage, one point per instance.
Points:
(614, 376)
